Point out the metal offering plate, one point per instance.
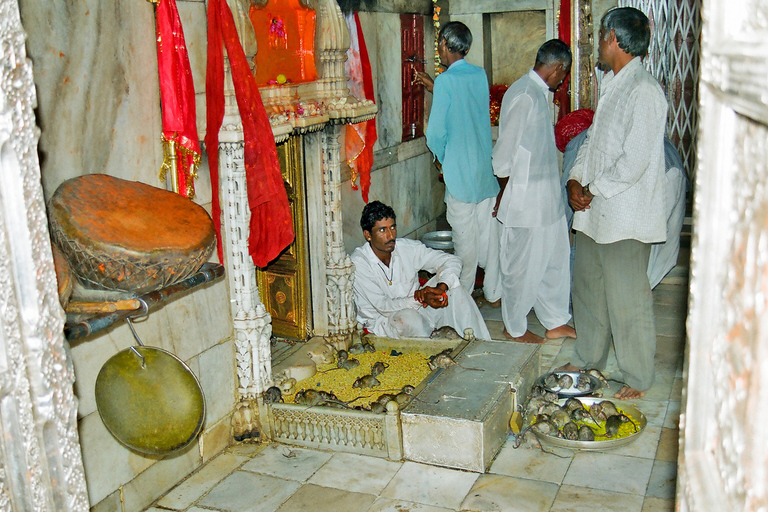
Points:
(573, 391)
(603, 444)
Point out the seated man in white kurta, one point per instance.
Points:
(388, 297)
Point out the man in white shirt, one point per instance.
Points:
(534, 251)
(616, 188)
(388, 297)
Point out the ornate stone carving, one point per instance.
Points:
(41, 463)
(342, 321)
(583, 48)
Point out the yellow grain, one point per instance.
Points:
(410, 368)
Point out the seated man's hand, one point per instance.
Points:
(436, 297)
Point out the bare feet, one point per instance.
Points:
(528, 337)
(568, 367)
(495, 304)
(628, 393)
(564, 331)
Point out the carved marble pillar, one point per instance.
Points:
(342, 322)
(40, 462)
(251, 322)
(582, 45)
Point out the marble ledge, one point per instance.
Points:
(399, 153)
(492, 6)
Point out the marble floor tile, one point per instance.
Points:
(490, 313)
(191, 489)
(663, 480)
(658, 505)
(356, 473)
(661, 388)
(287, 462)
(609, 472)
(198, 509)
(666, 326)
(672, 419)
(315, 498)
(505, 493)
(528, 461)
(677, 387)
(583, 499)
(655, 411)
(496, 329)
(244, 491)
(388, 505)
(669, 445)
(430, 485)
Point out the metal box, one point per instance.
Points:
(460, 418)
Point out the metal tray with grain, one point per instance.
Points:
(637, 417)
(594, 384)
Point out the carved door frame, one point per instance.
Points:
(724, 456)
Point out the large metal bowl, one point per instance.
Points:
(442, 240)
(594, 385)
(149, 400)
(631, 411)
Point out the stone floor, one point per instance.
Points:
(637, 477)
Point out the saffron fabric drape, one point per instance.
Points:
(271, 225)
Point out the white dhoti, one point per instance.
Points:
(535, 269)
(460, 313)
(476, 242)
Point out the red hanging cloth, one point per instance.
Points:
(177, 94)
(563, 95)
(271, 226)
(361, 137)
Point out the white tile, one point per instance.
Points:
(200, 482)
(654, 411)
(644, 446)
(243, 491)
(504, 493)
(325, 499)
(529, 461)
(609, 472)
(218, 372)
(388, 505)
(663, 480)
(430, 485)
(287, 462)
(356, 473)
(582, 499)
(672, 419)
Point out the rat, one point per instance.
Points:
(273, 395)
(444, 361)
(366, 381)
(378, 368)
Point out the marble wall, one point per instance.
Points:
(403, 175)
(95, 71)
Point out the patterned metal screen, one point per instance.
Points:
(674, 59)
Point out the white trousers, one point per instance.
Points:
(536, 274)
(460, 313)
(476, 241)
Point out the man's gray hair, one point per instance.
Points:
(457, 36)
(552, 52)
(632, 29)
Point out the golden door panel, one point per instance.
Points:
(284, 283)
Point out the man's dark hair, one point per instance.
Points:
(373, 212)
(552, 52)
(632, 29)
(457, 37)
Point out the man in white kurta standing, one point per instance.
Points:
(535, 250)
(389, 300)
(459, 135)
(616, 188)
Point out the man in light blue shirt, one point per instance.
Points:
(459, 135)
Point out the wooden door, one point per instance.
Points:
(724, 425)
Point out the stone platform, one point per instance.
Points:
(460, 418)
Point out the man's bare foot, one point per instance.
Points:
(628, 393)
(528, 337)
(494, 304)
(568, 367)
(564, 331)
